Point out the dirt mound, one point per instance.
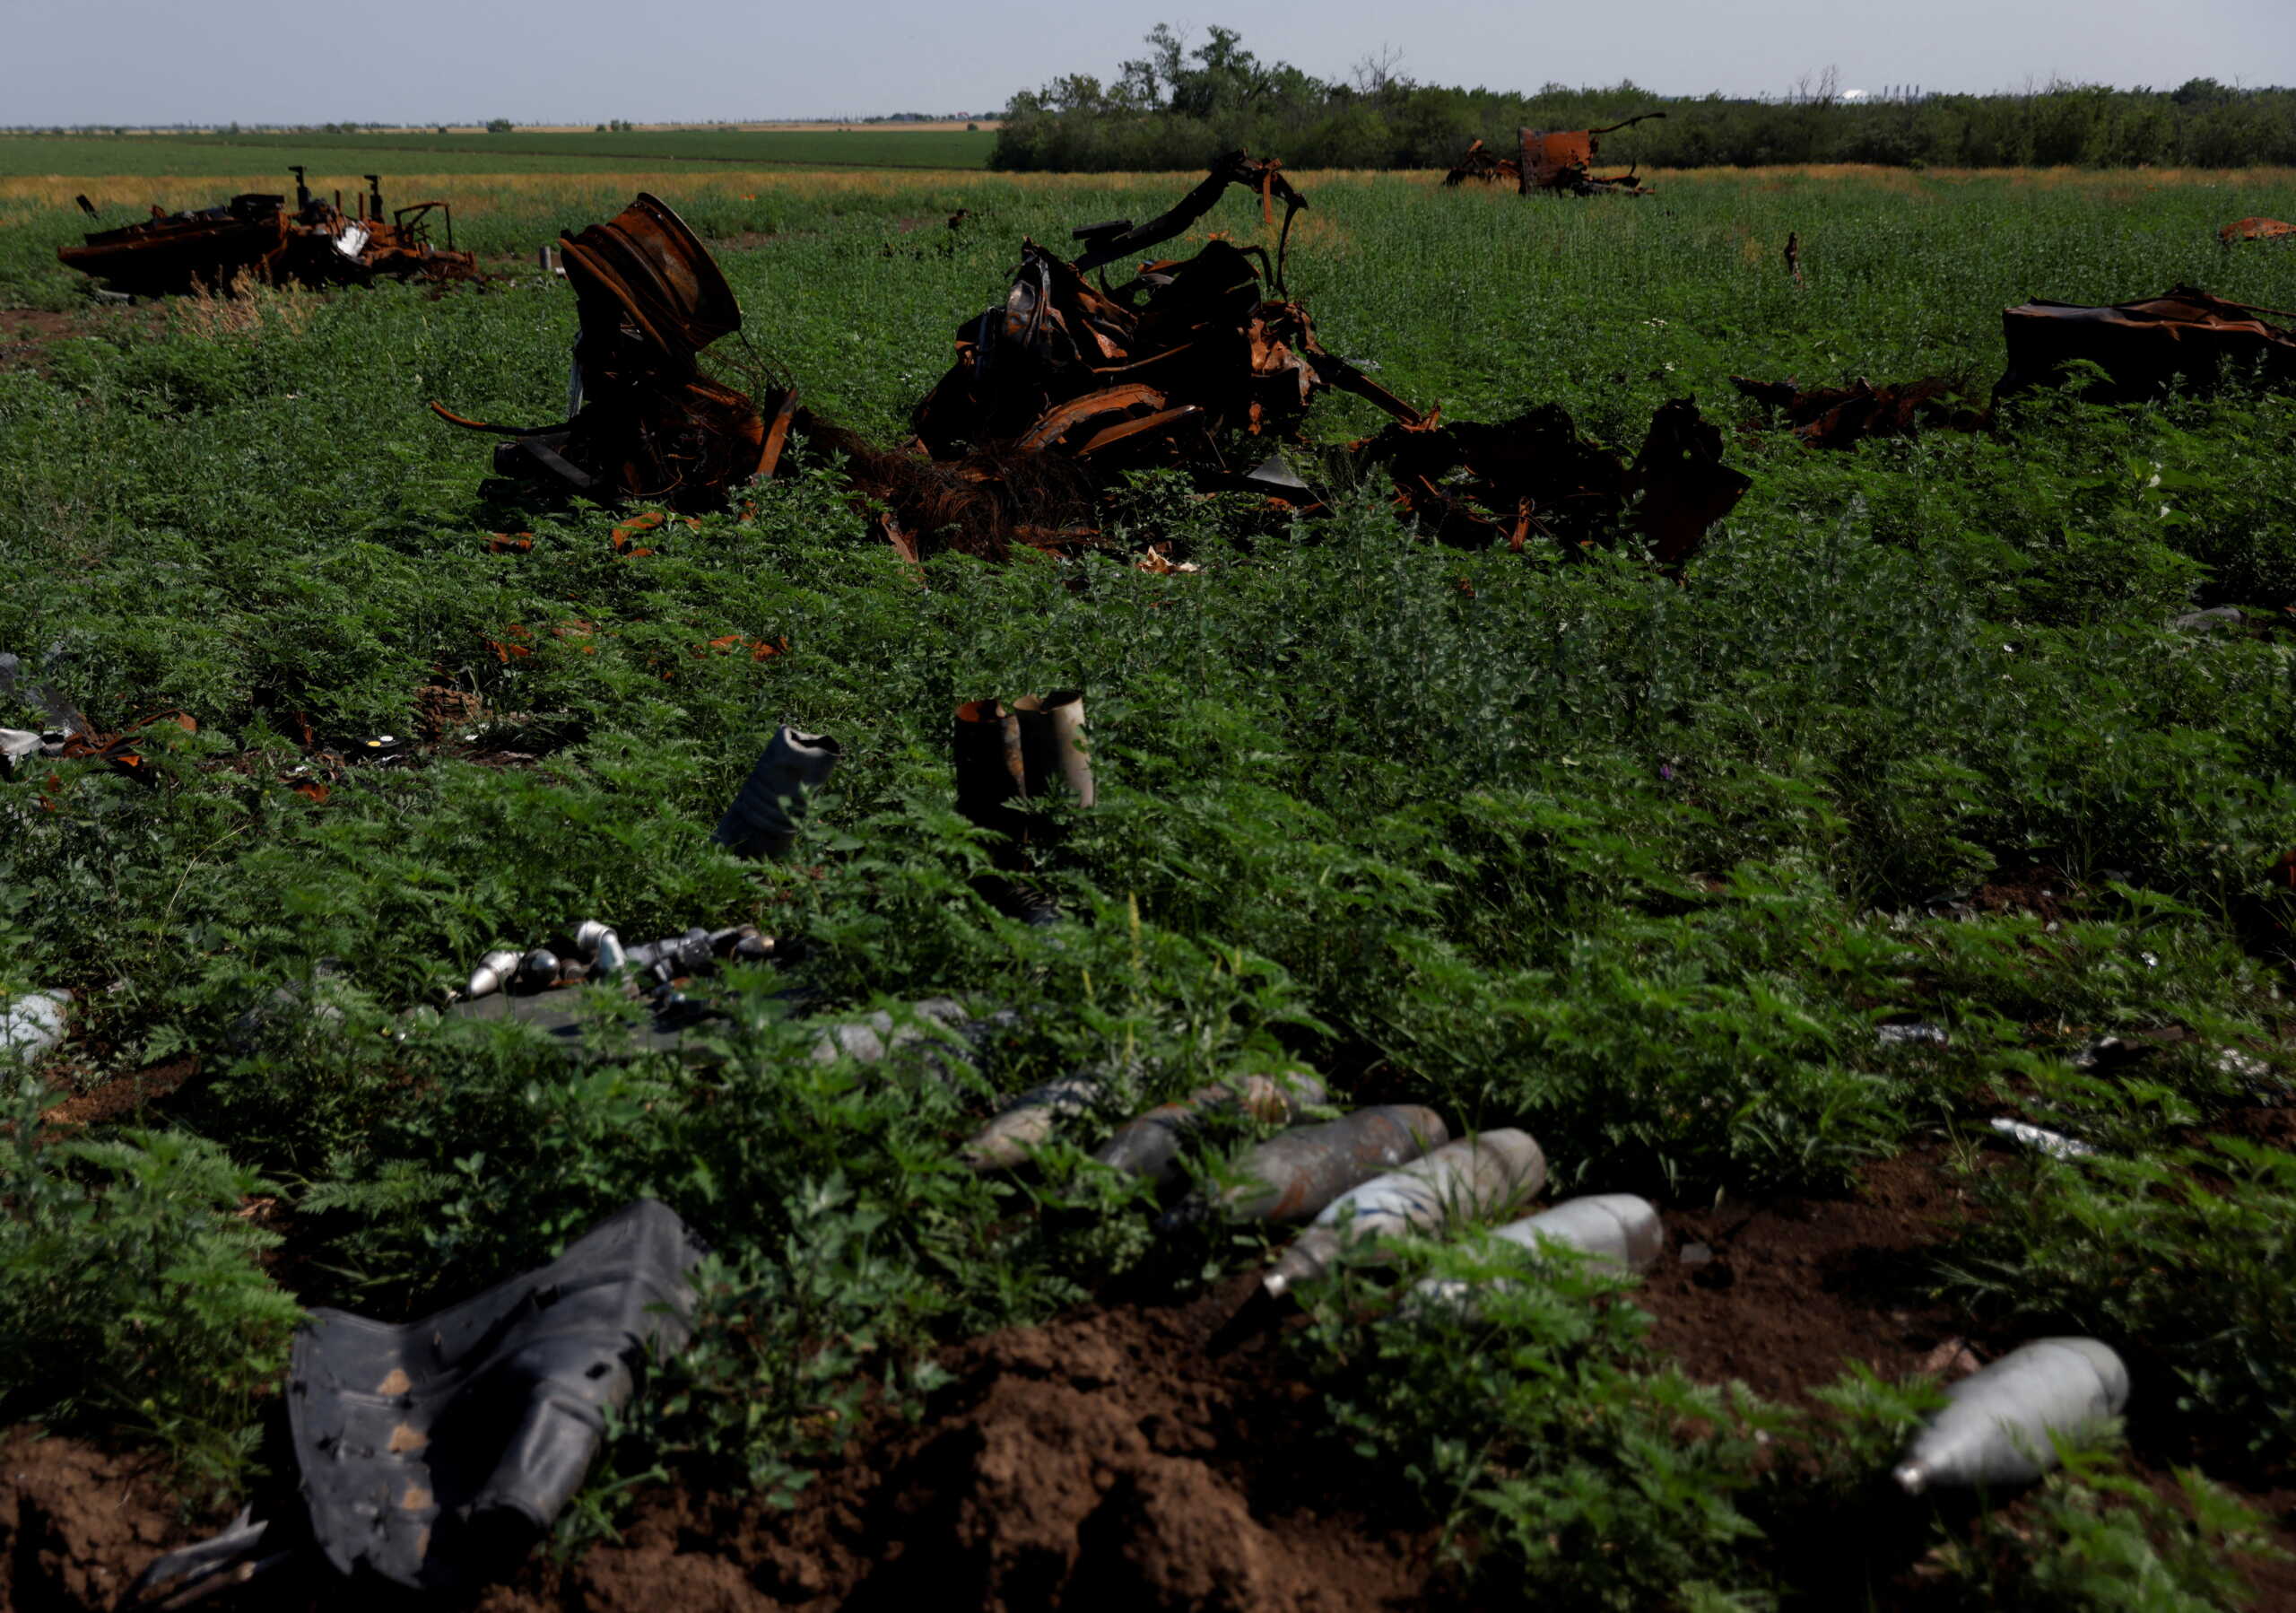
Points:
(76, 1525)
(1102, 1460)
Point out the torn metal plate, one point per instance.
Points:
(437, 1453)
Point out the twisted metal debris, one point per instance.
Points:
(648, 422)
(2145, 347)
(1561, 161)
(255, 234)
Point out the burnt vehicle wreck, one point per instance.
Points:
(315, 243)
(646, 421)
(1203, 365)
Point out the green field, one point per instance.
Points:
(416, 151)
(1635, 865)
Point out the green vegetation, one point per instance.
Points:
(501, 150)
(1175, 106)
(1634, 865)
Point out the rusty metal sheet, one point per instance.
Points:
(652, 424)
(1681, 486)
(1561, 162)
(1476, 484)
(1841, 417)
(2186, 337)
(2257, 229)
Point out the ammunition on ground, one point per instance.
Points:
(1013, 754)
(1149, 1145)
(2054, 1143)
(1474, 1177)
(31, 1022)
(538, 969)
(1610, 1229)
(762, 820)
(1028, 1121)
(666, 960)
(599, 944)
(741, 945)
(493, 973)
(1290, 1177)
(1996, 1429)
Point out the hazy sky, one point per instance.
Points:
(585, 61)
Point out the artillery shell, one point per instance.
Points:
(1149, 1145)
(538, 969)
(1474, 1177)
(1292, 1176)
(1029, 1121)
(762, 820)
(1997, 1426)
(1611, 1229)
(606, 953)
(493, 973)
(2055, 1144)
(673, 955)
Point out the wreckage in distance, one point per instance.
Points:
(255, 234)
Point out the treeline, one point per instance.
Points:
(1176, 108)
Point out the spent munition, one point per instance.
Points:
(1997, 1427)
(1465, 1181)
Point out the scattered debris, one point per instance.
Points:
(1292, 1176)
(646, 421)
(1480, 165)
(762, 822)
(1149, 1145)
(2002, 1422)
(255, 235)
(1561, 162)
(71, 736)
(2257, 229)
(2144, 347)
(1476, 484)
(1918, 1034)
(1844, 416)
(2055, 1145)
(1472, 1179)
(438, 1453)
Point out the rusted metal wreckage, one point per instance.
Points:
(255, 234)
(1203, 365)
(1841, 417)
(2257, 229)
(1549, 163)
(2145, 347)
(1480, 165)
(645, 420)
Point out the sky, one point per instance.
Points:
(652, 61)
